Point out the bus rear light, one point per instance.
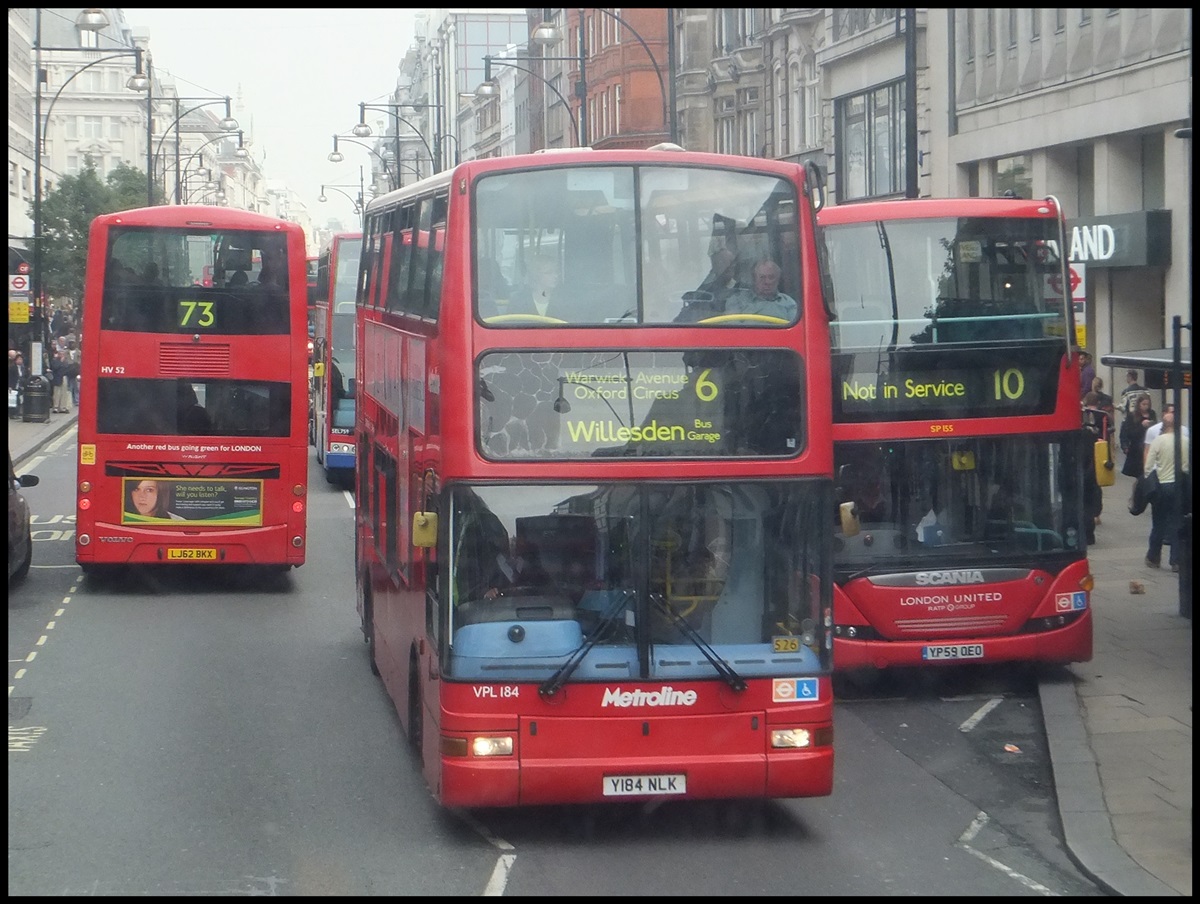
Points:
(84, 539)
(85, 504)
(297, 542)
(85, 486)
(298, 506)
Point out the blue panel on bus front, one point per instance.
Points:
(335, 460)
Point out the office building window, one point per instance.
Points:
(1015, 174)
(870, 141)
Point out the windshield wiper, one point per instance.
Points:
(724, 669)
(554, 683)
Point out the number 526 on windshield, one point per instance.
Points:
(196, 314)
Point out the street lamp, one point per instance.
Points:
(363, 130)
(488, 88)
(241, 151)
(359, 204)
(226, 124)
(548, 34)
(336, 156)
(93, 20)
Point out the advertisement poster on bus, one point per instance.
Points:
(219, 503)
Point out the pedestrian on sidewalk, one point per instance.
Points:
(1165, 503)
(60, 389)
(1153, 431)
(1133, 389)
(1133, 435)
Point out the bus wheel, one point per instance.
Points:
(414, 706)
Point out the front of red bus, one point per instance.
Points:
(961, 473)
(632, 547)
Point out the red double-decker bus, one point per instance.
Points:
(332, 394)
(194, 387)
(593, 549)
(958, 450)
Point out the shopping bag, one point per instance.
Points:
(1106, 468)
(1144, 489)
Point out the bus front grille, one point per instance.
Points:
(177, 359)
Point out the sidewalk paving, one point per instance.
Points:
(1119, 727)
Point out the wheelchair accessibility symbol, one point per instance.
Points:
(785, 690)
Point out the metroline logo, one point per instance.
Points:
(667, 696)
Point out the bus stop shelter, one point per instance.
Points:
(1174, 362)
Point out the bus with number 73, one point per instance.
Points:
(193, 391)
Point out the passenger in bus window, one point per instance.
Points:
(274, 267)
(151, 499)
(192, 419)
(541, 296)
(765, 298)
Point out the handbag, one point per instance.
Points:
(1143, 493)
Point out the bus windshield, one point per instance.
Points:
(945, 280)
(984, 500)
(573, 245)
(653, 574)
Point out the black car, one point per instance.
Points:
(20, 534)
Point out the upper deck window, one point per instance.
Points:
(180, 281)
(919, 282)
(604, 245)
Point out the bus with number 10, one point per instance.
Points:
(959, 458)
(592, 541)
(194, 388)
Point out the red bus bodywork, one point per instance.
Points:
(193, 388)
(431, 374)
(333, 350)
(1002, 584)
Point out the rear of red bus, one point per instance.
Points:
(960, 467)
(193, 401)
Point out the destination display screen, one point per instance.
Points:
(872, 386)
(649, 404)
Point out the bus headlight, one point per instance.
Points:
(791, 737)
(492, 746)
(345, 448)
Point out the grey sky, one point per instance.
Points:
(300, 74)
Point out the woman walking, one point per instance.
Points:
(1133, 434)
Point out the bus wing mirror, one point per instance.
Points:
(424, 529)
(849, 517)
(319, 369)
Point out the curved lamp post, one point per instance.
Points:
(336, 156)
(547, 34)
(363, 130)
(488, 88)
(93, 20)
(241, 151)
(227, 124)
